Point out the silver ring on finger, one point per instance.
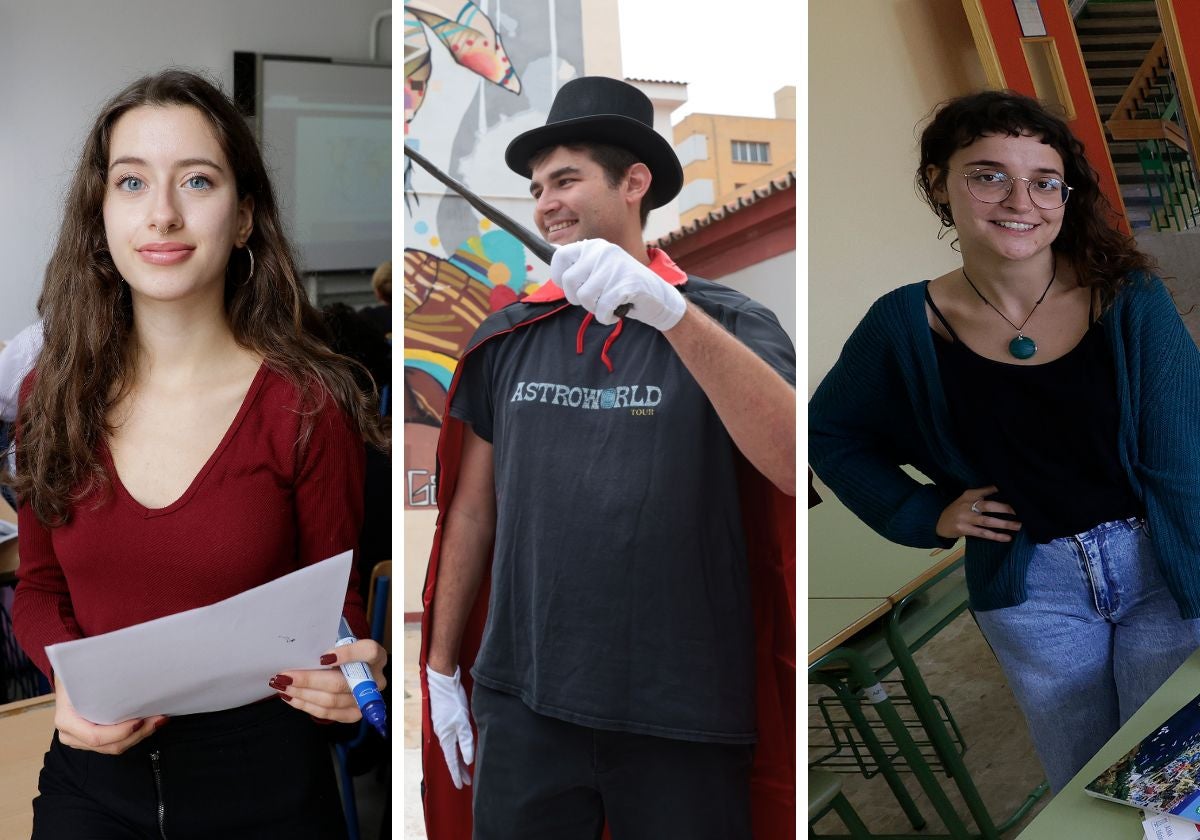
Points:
(975, 506)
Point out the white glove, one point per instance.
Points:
(451, 718)
(600, 276)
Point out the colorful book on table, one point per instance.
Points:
(1161, 773)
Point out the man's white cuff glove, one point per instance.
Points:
(451, 718)
(601, 276)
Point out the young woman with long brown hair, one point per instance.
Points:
(183, 438)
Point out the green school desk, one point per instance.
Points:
(834, 663)
(1072, 813)
(832, 625)
(26, 727)
(832, 621)
(856, 577)
(846, 559)
(925, 591)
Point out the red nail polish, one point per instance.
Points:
(285, 697)
(137, 726)
(283, 679)
(328, 658)
(160, 724)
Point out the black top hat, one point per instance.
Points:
(603, 110)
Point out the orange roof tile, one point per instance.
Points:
(775, 185)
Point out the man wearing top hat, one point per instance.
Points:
(612, 569)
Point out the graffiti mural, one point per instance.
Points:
(469, 36)
(475, 76)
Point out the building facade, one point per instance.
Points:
(724, 157)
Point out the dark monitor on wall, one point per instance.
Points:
(325, 127)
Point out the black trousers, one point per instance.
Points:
(258, 771)
(539, 778)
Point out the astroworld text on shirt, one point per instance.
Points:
(593, 399)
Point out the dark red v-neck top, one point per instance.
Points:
(259, 508)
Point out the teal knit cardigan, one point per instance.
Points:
(882, 406)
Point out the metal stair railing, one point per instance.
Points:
(1148, 114)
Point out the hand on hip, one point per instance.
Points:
(969, 516)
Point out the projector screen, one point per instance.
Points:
(326, 132)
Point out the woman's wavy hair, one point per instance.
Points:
(1101, 255)
(87, 362)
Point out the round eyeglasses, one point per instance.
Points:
(993, 186)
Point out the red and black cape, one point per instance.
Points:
(769, 522)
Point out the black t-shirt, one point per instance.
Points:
(1046, 435)
(620, 595)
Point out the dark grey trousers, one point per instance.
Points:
(539, 778)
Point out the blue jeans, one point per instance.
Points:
(1098, 634)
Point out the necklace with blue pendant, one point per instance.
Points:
(1022, 347)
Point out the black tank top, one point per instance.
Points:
(1046, 434)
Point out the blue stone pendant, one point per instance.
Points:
(1022, 347)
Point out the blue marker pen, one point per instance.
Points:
(362, 685)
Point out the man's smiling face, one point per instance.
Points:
(574, 199)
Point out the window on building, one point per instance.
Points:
(747, 151)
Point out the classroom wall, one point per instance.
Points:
(876, 69)
(59, 61)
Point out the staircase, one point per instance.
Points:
(1115, 38)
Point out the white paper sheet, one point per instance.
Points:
(8, 531)
(207, 659)
(1158, 826)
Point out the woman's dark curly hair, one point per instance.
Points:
(1101, 255)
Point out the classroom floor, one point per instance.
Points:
(957, 665)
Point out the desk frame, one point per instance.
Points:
(927, 713)
(863, 675)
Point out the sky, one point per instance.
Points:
(733, 64)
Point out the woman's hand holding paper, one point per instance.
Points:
(74, 731)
